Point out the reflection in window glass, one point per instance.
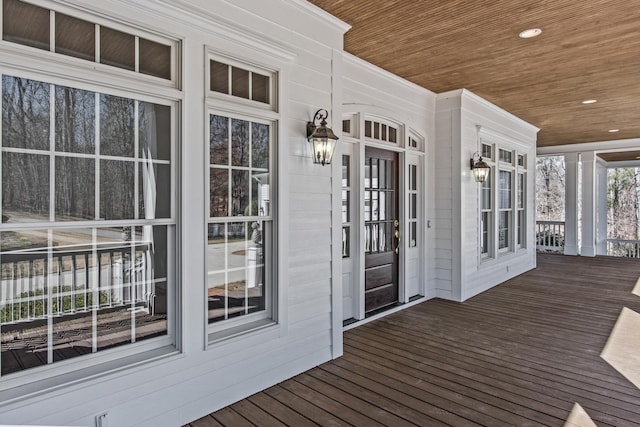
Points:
(25, 187)
(218, 140)
(239, 186)
(75, 120)
(259, 145)
(239, 142)
(25, 113)
(74, 189)
(236, 278)
(154, 125)
(218, 192)
(117, 129)
(117, 190)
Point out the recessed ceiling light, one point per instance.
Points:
(531, 32)
(614, 130)
(589, 101)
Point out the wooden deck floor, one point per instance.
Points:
(520, 354)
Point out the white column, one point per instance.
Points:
(601, 207)
(571, 204)
(588, 243)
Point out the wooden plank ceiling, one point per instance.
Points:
(587, 50)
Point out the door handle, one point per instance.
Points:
(397, 235)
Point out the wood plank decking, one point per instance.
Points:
(520, 354)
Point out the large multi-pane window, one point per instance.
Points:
(88, 227)
(502, 201)
(240, 225)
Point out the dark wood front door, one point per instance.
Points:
(381, 228)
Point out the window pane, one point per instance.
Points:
(219, 192)
(75, 37)
(485, 227)
(25, 24)
(367, 128)
(505, 190)
(345, 206)
(154, 190)
(117, 130)
(236, 286)
(504, 226)
(260, 145)
(155, 59)
(520, 191)
(260, 88)
(239, 192)
(239, 142)
(218, 140)
(74, 188)
(117, 48)
(219, 77)
(25, 187)
(25, 113)
(486, 193)
(487, 151)
(346, 160)
(413, 209)
(117, 187)
(75, 120)
(345, 242)
(521, 227)
(346, 126)
(393, 135)
(23, 300)
(413, 177)
(240, 82)
(260, 194)
(413, 234)
(154, 131)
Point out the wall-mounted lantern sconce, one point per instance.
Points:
(322, 138)
(479, 168)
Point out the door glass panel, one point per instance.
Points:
(383, 174)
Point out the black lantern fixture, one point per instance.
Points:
(479, 168)
(322, 138)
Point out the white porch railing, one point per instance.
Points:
(623, 248)
(550, 236)
(39, 283)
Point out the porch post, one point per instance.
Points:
(601, 207)
(588, 243)
(571, 204)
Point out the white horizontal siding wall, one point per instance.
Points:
(466, 111)
(175, 390)
(367, 89)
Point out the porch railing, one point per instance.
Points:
(550, 236)
(623, 248)
(40, 283)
